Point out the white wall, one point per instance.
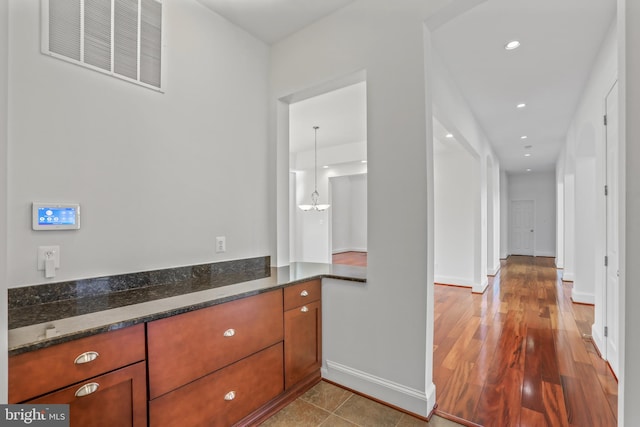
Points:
(583, 166)
(504, 215)
(313, 229)
(4, 80)
(349, 213)
(560, 211)
(629, 72)
(541, 188)
(452, 111)
(569, 226)
(370, 348)
(455, 205)
(158, 176)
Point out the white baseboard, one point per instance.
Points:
(582, 297)
(451, 280)
(338, 251)
(415, 401)
(479, 289)
(492, 271)
(598, 341)
(551, 254)
(567, 276)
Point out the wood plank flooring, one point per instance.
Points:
(517, 355)
(350, 258)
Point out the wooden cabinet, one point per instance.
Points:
(232, 363)
(119, 399)
(223, 397)
(302, 332)
(214, 366)
(102, 377)
(188, 346)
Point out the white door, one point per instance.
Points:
(612, 253)
(522, 231)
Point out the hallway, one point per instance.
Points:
(517, 355)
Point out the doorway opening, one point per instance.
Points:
(334, 165)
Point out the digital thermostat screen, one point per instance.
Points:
(56, 216)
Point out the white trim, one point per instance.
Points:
(451, 280)
(479, 289)
(415, 401)
(492, 271)
(567, 276)
(338, 251)
(550, 254)
(582, 297)
(598, 341)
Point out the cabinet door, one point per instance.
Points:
(302, 342)
(119, 400)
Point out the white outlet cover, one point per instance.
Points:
(42, 250)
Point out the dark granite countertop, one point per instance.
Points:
(99, 310)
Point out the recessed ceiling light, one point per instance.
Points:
(524, 137)
(521, 105)
(449, 135)
(528, 170)
(363, 161)
(325, 167)
(527, 154)
(513, 44)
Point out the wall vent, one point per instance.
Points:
(122, 38)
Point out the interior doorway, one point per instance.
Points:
(522, 230)
(612, 299)
(337, 148)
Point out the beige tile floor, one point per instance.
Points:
(327, 405)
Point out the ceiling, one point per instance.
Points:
(273, 20)
(559, 44)
(341, 116)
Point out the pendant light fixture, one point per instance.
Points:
(314, 206)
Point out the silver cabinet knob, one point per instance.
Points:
(229, 333)
(230, 396)
(304, 309)
(304, 293)
(86, 357)
(87, 389)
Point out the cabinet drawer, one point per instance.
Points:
(119, 399)
(224, 397)
(302, 293)
(186, 347)
(42, 371)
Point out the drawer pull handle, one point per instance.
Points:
(230, 396)
(87, 389)
(304, 309)
(86, 357)
(304, 293)
(229, 332)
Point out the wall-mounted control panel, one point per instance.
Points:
(56, 216)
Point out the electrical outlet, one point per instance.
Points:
(221, 244)
(48, 252)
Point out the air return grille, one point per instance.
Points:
(122, 38)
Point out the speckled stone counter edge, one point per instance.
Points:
(31, 337)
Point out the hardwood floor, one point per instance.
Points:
(517, 355)
(350, 258)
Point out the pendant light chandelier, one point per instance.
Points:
(314, 206)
